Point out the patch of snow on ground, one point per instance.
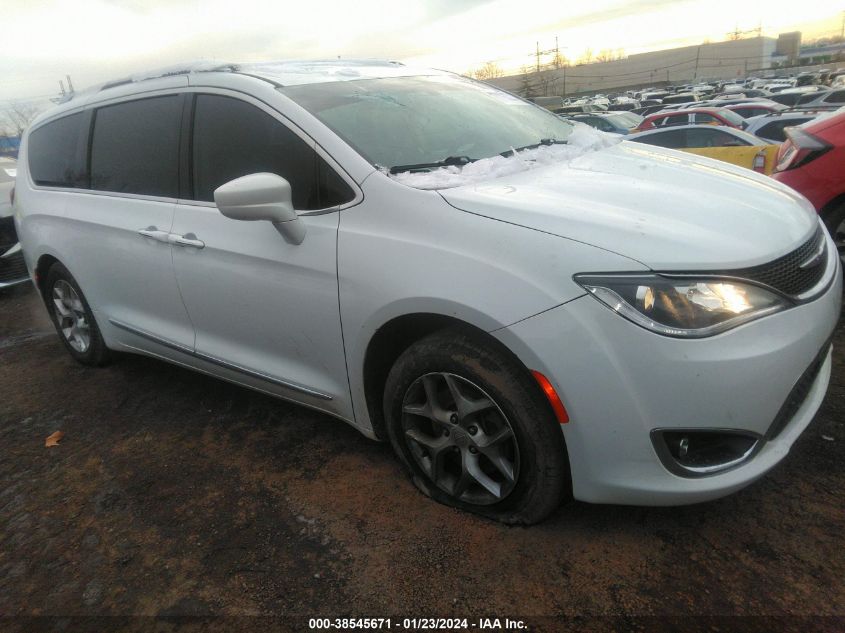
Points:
(582, 140)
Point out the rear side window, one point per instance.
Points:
(774, 130)
(837, 96)
(57, 153)
(712, 137)
(674, 139)
(135, 147)
(233, 138)
(675, 119)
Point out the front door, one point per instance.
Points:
(265, 311)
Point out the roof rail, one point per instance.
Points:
(169, 71)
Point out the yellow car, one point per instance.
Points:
(719, 142)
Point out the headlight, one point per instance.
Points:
(682, 307)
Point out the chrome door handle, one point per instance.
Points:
(189, 239)
(154, 233)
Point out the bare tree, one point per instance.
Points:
(587, 57)
(16, 117)
(490, 70)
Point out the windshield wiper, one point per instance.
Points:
(446, 162)
(543, 141)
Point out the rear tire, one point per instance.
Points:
(73, 319)
(473, 429)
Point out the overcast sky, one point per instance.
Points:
(97, 40)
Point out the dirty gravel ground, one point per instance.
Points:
(177, 494)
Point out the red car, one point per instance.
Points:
(812, 161)
(687, 116)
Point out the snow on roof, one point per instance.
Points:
(583, 140)
(294, 73)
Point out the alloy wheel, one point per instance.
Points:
(70, 314)
(460, 438)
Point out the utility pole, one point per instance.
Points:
(538, 56)
(697, 55)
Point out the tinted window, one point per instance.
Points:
(135, 147)
(700, 117)
(673, 139)
(750, 111)
(837, 96)
(233, 138)
(56, 153)
(712, 138)
(774, 130)
(676, 119)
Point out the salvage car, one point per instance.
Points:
(528, 310)
(722, 143)
(690, 116)
(811, 161)
(12, 267)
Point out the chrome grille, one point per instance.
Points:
(785, 273)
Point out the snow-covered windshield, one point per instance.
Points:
(421, 120)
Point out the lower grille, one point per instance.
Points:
(13, 268)
(798, 394)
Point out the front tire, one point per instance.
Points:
(473, 429)
(73, 318)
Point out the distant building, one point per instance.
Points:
(690, 64)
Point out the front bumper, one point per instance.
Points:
(619, 382)
(12, 266)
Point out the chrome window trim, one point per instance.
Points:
(358, 196)
(111, 194)
(219, 362)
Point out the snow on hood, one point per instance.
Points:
(582, 140)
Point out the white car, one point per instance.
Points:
(529, 310)
(12, 267)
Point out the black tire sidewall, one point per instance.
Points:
(97, 352)
(543, 479)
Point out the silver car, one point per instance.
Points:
(12, 266)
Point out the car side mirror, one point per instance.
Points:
(261, 196)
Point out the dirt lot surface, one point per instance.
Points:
(176, 494)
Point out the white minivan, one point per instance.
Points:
(529, 310)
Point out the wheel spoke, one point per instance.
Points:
(466, 406)
(435, 446)
(422, 410)
(60, 308)
(474, 469)
(486, 441)
(436, 411)
(502, 464)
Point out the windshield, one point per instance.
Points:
(420, 120)
(626, 119)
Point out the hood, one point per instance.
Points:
(663, 208)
